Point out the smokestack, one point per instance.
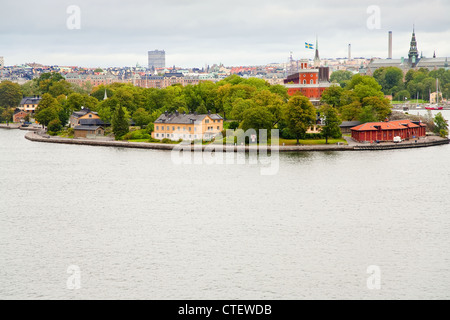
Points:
(390, 45)
(349, 51)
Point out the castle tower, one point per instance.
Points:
(413, 54)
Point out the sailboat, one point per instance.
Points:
(435, 106)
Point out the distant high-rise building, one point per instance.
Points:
(156, 59)
(2, 62)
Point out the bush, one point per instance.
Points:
(70, 131)
(165, 140)
(136, 135)
(54, 126)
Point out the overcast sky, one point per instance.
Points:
(198, 32)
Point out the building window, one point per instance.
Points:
(162, 135)
(207, 121)
(189, 128)
(168, 128)
(157, 135)
(184, 128)
(157, 127)
(178, 128)
(218, 128)
(304, 81)
(311, 82)
(173, 128)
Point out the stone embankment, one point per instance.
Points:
(40, 136)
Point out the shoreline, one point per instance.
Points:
(422, 143)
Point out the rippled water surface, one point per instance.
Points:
(140, 227)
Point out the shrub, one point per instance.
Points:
(54, 126)
(165, 140)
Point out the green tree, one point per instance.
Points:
(401, 95)
(351, 111)
(341, 77)
(47, 110)
(367, 115)
(120, 123)
(10, 94)
(7, 114)
(332, 121)
(381, 107)
(332, 96)
(99, 93)
(239, 107)
(257, 118)
(141, 117)
(61, 87)
(30, 88)
(54, 126)
(46, 80)
(440, 125)
(299, 115)
(389, 78)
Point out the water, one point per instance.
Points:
(139, 227)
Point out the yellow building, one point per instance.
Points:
(176, 126)
(29, 104)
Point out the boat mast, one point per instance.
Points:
(437, 91)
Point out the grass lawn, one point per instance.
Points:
(311, 142)
(409, 101)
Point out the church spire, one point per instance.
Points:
(316, 56)
(413, 54)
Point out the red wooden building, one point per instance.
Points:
(386, 131)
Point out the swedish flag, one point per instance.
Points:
(309, 46)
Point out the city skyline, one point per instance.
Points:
(199, 33)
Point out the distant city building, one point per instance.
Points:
(2, 62)
(413, 61)
(156, 59)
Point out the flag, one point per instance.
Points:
(309, 46)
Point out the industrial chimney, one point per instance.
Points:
(390, 45)
(349, 51)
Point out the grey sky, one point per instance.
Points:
(199, 32)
